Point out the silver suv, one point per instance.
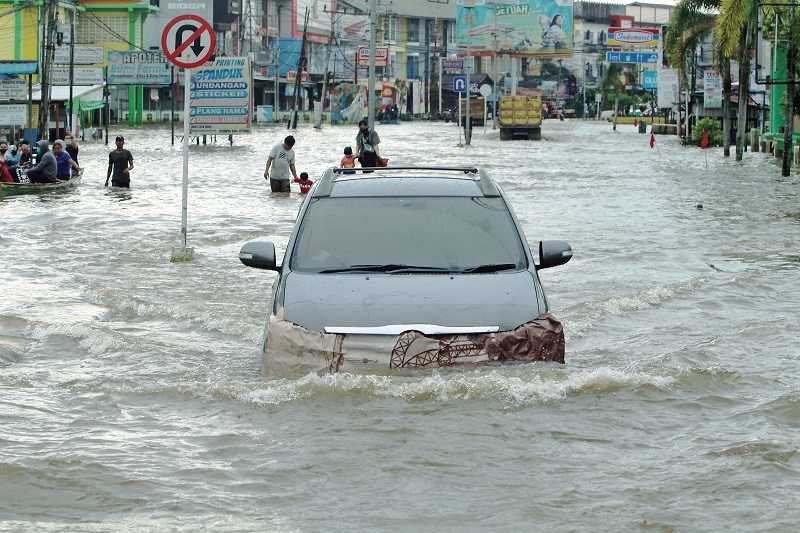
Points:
(379, 253)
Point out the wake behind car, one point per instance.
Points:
(407, 267)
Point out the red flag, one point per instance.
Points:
(704, 140)
(635, 122)
(652, 140)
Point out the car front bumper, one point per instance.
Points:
(293, 347)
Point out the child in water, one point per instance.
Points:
(349, 160)
(305, 183)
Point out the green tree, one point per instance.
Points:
(735, 33)
(691, 22)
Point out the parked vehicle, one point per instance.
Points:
(380, 263)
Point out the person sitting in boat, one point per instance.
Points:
(305, 182)
(66, 167)
(5, 173)
(46, 170)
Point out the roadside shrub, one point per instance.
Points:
(712, 127)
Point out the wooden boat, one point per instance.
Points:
(13, 189)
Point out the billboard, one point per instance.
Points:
(82, 55)
(220, 97)
(381, 56)
(712, 90)
(650, 80)
(535, 28)
(667, 87)
(633, 37)
(80, 75)
(13, 114)
(632, 57)
(12, 89)
(138, 68)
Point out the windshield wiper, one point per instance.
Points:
(389, 269)
(483, 269)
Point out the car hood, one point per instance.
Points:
(317, 301)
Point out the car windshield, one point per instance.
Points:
(408, 234)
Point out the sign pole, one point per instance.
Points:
(200, 44)
(468, 124)
(373, 8)
(174, 85)
(184, 253)
(440, 87)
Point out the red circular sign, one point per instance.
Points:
(190, 35)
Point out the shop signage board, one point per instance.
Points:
(667, 87)
(59, 75)
(13, 114)
(220, 97)
(138, 68)
(84, 55)
(381, 56)
(13, 89)
(712, 90)
(633, 37)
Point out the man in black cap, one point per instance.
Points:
(120, 162)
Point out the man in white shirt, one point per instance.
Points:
(281, 161)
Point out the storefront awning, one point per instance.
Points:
(18, 67)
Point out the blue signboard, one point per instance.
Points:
(632, 57)
(460, 84)
(650, 79)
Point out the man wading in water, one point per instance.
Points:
(120, 162)
(367, 142)
(281, 160)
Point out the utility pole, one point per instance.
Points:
(47, 64)
(71, 70)
(301, 63)
(788, 114)
(277, 64)
(496, 80)
(468, 123)
(373, 8)
(318, 125)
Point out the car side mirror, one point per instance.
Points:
(553, 253)
(259, 254)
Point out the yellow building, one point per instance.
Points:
(111, 24)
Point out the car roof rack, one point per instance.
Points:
(465, 170)
(325, 185)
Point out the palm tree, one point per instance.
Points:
(734, 33)
(691, 22)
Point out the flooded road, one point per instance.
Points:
(132, 399)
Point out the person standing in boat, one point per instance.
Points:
(46, 168)
(72, 147)
(120, 164)
(367, 142)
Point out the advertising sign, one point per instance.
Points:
(712, 90)
(138, 68)
(650, 80)
(80, 76)
(667, 87)
(13, 89)
(220, 97)
(352, 28)
(291, 76)
(452, 66)
(633, 37)
(534, 28)
(381, 56)
(13, 114)
(84, 55)
(632, 57)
